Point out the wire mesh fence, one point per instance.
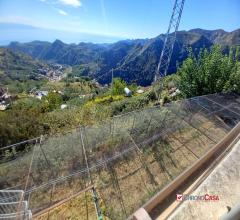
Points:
(12, 205)
(127, 158)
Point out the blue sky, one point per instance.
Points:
(122, 18)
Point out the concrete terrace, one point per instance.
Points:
(224, 181)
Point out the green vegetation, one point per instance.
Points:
(88, 103)
(132, 60)
(19, 124)
(210, 72)
(19, 72)
(133, 103)
(118, 86)
(53, 100)
(83, 70)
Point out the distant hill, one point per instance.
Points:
(18, 69)
(220, 36)
(132, 60)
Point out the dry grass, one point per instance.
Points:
(125, 184)
(81, 207)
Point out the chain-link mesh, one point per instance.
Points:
(127, 159)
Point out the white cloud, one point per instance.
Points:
(61, 12)
(74, 3)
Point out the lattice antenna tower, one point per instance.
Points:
(169, 41)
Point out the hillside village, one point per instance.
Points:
(49, 73)
(5, 99)
(53, 72)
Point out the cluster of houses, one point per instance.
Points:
(54, 73)
(39, 94)
(5, 99)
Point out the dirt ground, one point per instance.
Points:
(125, 184)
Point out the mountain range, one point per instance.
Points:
(132, 60)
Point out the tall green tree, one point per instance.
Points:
(209, 72)
(118, 86)
(54, 100)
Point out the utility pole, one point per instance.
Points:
(112, 84)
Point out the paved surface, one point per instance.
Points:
(224, 182)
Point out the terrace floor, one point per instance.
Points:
(224, 182)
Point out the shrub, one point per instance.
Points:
(118, 86)
(209, 72)
(131, 104)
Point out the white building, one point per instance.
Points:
(63, 106)
(40, 94)
(127, 91)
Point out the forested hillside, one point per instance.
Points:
(209, 71)
(132, 60)
(19, 71)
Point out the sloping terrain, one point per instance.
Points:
(133, 60)
(18, 67)
(128, 158)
